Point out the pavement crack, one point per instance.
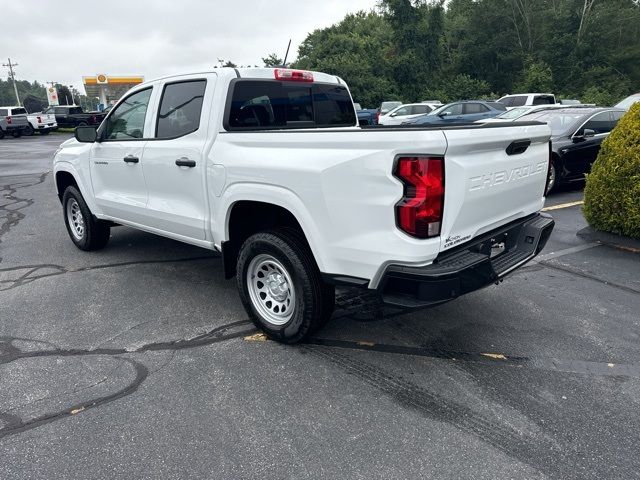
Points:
(11, 205)
(15, 277)
(583, 274)
(10, 353)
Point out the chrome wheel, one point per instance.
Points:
(270, 289)
(75, 219)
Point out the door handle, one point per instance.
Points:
(185, 162)
(131, 159)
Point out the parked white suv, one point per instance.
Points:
(269, 167)
(527, 99)
(405, 112)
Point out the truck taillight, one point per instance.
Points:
(39, 119)
(419, 212)
(8, 120)
(378, 117)
(549, 166)
(293, 75)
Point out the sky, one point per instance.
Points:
(65, 40)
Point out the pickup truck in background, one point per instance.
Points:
(43, 123)
(70, 116)
(366, 116)
(14, 124)
(269, 167)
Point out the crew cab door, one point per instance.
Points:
(115, 161)
(175, 162)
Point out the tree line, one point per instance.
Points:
(461, 49)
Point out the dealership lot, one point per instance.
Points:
(138, 361)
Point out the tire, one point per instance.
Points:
(16, 134)
(28, 131)
(1, 134)
(44, 132)
(82, 124)
(552, 179)
(300, 303)
(86, 232)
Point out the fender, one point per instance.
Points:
(84, 184)
(276, 195)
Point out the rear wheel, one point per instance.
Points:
(86, 232)
(1, 133)
(44, 132)
(281, 287)
(16, 133)
(82, 124)
(28, 130)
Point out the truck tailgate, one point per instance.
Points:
(492, 176)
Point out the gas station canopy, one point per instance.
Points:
(109, 88)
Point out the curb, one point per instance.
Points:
(611, 239)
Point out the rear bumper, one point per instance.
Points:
(468, 267)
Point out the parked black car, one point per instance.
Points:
(576, 135)
(71, 116)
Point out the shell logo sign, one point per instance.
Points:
(52, 96)
(101, 78)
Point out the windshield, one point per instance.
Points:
(514, 113)
(627, 102)
(388, 106)
(559, 122)
(440, 109)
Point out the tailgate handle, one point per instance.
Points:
(518, 146)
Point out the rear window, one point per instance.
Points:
(4, 112)
(265, 105)
(18, 111)
(543, 100)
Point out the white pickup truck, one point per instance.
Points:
(269, 167)
(42, 123)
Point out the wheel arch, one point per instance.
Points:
(263, 215)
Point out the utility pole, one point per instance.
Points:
(12, 74)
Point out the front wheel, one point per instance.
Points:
(86, 232)
(281, 287)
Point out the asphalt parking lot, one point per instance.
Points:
(138, 362)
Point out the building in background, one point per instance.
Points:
(108, 89)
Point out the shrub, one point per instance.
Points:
(612, 193)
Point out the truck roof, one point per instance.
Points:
(255, 73)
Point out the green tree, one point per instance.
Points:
(272, 60)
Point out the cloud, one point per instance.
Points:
(156, 38)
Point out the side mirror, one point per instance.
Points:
(393, 114)
(86, 134)
(589, 133)
(444, 114)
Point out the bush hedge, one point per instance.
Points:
(612, 193)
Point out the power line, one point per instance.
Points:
(12, 74)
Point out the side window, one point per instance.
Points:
(518, 101)
(60, 110)
(455, 109)
(180, 108)
(403, 111)
(127, 120)
(75, 110)
(616, 116)
(601, 123)
(420, 109)
(471, 108)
